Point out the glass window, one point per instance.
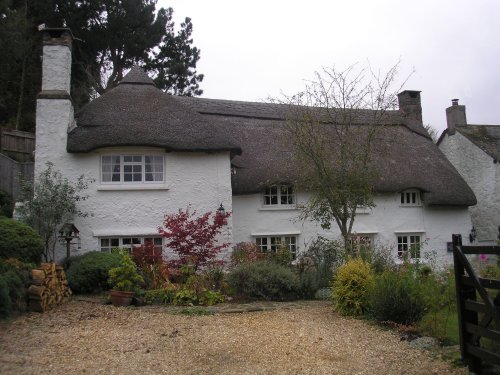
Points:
(410, 198)
(107, 244)
(132, 168)
(409, 246)
(273, 243)
(281, 195)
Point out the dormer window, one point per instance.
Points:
(279, 195)
(410, 198)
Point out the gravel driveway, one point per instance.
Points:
(87, 338)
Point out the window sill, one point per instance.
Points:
(278, 208)
(410, 205)
(131, 187)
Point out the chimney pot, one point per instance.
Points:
(455, 116)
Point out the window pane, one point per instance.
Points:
(271, 195)
(115, 242)
(105, 242)
(154, 168)
(261, 243)
(275, 243)
(110, 168)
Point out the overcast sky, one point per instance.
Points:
(251, 50)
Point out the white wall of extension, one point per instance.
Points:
(385, 221)
(482, 174)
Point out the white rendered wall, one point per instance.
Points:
(196, 179)
(384, 222)
(483, 176)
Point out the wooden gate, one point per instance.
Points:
(478, 305)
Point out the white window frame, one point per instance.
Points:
(410, 198)
(142, 163)
(107, 243)
(404, 243)
(282, 192)
(271, 243)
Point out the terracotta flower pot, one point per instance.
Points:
(120, 298)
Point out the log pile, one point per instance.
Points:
(49, 287)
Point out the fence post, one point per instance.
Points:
(463, 293)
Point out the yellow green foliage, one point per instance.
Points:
(351, 287)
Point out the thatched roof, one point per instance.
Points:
(486, 137)
(137, 114)
(408, 159)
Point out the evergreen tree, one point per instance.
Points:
(112, 35)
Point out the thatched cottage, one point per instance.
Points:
(151, 153)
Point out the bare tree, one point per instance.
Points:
(433, 132)
(334, 124)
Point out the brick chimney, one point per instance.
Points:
(455, 115)
(410, 105)
(54, 108)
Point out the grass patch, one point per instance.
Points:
(442, 324)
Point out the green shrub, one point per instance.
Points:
(19, 241)
(379, 258)
(185, 297)
(325, 256)
(125, 277)
(6, 204)
(398, 296)
(209, 297)
(88, 273)
(281, 256)
(14, 279)
(351, 287)
(159, 296)
(245, 252)
(265, 280)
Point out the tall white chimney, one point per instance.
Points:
(54, 108)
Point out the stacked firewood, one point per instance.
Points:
(49, 287)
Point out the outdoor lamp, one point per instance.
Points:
(472, 235)
(221, 210)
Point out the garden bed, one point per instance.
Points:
(305, 338)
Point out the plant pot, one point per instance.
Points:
(120, 298)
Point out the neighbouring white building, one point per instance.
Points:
(474, 150)
(151, 153)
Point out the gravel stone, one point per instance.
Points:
(306, 338)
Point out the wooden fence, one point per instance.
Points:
(17, 144)
(478, 305)
(12, 173)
